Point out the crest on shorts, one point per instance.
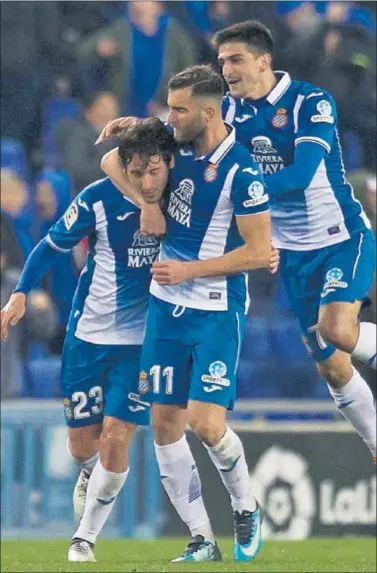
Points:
(143, 385)
(68, 412)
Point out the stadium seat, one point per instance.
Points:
(257, 343)
(286, 342)
(44, 374)
(54, 110)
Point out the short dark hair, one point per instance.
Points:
(203, 80)
(251, 32)
(147, 137)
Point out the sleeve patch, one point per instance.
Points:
(71, 216)
(257, 193)
(322, 119)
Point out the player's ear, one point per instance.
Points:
(172, 162)
(265, 62)
(209, 112)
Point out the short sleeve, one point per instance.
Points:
(249, 193)
(317, 120)
(77, 222)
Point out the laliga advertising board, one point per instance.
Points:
(311, 484)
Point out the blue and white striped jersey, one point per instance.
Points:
(206, 194)
(111, 298)
(293, 112)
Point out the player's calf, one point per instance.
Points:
(338, 325)
(226, 451)
(107, 478)
(82, 445)
(352, 396)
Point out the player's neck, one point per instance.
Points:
(210, 139)
(266, 83)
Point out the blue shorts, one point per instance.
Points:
(190, 354)
(100, 380)
(339, 273)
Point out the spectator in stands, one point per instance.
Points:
(75, 138)
(39, 326)
(17, 205)
(140, 52)
(341, 57)
(201, 19)
(30, 63)
(9, 247)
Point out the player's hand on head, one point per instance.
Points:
(12, 312)
(152, 220)
(274, 261)
(170, 272)
(114, 126)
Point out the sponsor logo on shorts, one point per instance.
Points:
(143, 385)
(217, 372)
(138, 404)
(333, 281)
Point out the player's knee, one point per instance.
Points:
(168, 423)
(207, 430)
(83, 443)
(333, 330)
(116, 435)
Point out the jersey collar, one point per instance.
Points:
(222, 150)
(280, 88)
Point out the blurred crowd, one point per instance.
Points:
(67, 68)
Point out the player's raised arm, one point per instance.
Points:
(67, 232)
(315, 131)
(253, 221)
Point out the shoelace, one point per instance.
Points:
(194, 546)
(81, 547)
(245, 525)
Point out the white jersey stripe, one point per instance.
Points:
(231, 111)
(53, 246)
(102, 291)
(314, 140)
(358, 255)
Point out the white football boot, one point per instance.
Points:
(81, 551)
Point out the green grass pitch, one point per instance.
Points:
(345, 554)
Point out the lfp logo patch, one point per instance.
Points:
(334, 274)
(217, 369)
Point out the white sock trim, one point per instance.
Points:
(365, 349)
